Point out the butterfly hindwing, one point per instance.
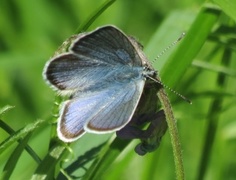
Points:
(103, 112)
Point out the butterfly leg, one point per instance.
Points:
(151, 137)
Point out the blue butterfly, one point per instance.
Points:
(105, 73)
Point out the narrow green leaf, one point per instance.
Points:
(47, 167)
(10, 131)
(214, 68)
(228, 6)
(5, 109)
(177, 64)
(213, 118)
(107, 156)
(85, 25)
(170, 29)
(20, 134)
(12, 161)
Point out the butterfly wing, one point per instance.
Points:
(93, 58)
(99, 112)
(69, 72)
(107, 44)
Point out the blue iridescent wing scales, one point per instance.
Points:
(103, 112)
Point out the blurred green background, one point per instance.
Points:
(31, 31)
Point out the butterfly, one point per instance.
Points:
(105, 73)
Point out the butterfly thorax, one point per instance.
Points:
(128, 74)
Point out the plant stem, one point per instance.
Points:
(174, 136)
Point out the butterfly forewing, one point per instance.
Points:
(93, 58)
(68, 72)
(107, 44)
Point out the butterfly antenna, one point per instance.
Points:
(161, 54)
(167, 87)
(168, 47)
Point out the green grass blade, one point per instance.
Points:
(166, 33)
(10, 131)
(213, 118)
(20, 134)
(5, 109)
(228, 7)
(12, 161)
(190, 46)
(46, 169)
(214, 68)
(85, 25)
(107, 156)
